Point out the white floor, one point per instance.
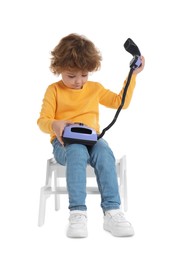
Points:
(22, 238)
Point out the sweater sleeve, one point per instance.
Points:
(113, 100)
(48, 110)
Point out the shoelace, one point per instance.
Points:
(75, 218)
(119, 217)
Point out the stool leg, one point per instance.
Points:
(57, 196)
(42, 206)
(124, 182)
(125, 190)
(57, 202)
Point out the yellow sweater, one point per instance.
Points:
(63, 103)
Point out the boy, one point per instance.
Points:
(75, 99)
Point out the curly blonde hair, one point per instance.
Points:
(75, 52)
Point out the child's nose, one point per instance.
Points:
(78, 80)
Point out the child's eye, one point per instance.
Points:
(85, 75)
(71, 76)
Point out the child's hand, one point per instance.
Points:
(58, 127)
(138, 70)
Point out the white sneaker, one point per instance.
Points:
(78, 224)
(115, 222)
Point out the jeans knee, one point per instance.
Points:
(77, 152)
(103, 153)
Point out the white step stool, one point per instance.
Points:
(53, 187)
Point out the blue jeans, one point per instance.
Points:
(101, 158)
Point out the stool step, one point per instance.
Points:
(63, 190)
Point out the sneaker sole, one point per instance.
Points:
(77, 234)
(119, 232)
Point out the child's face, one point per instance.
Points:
(74, 79)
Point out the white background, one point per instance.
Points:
(29, 30)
